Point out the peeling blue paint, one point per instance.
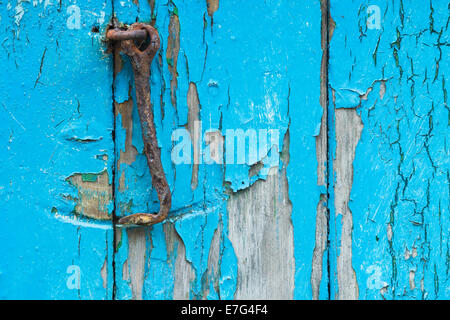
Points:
(51, 106)
(399, 197)
(255, 66)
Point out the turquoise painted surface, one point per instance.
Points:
(400, 193)
(56, 123)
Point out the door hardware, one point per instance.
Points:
(140, 43)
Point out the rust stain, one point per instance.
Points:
(94, 194)
(173, 48)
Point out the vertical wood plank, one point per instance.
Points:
(218, 66)
(390, 218)
(57, 151)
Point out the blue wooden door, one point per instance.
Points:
(304, 142)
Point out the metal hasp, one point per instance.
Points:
(141, 62)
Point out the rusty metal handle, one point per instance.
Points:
(141, 62)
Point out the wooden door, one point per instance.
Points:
(304, 142)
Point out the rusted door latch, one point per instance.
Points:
(140, 43)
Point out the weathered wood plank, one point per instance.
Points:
(57, 151)
(390, 216)
(218, 65)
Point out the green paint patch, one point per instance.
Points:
(89, 177)
(119, 245)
